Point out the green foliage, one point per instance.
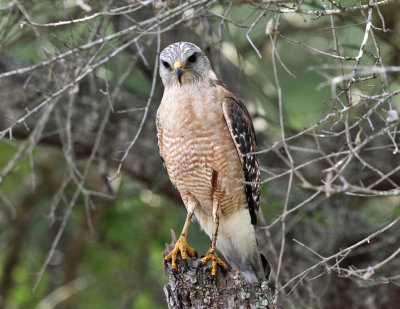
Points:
(377, 210)
(19, 174)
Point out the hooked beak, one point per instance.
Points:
(178, 70)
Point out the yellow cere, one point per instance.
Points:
(177, 64)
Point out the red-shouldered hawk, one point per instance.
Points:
(204, 135)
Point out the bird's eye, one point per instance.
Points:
(192, 58)
(166, 65)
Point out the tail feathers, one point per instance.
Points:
(237, 242)
(267, 268)
(253, 265)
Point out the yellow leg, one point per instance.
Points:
(181, 245)
(212, 253)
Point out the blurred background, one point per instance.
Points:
(86, 206)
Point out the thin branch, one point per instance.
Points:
(146, 110)
(340, 253)
(342, 10)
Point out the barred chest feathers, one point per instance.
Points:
(196, 141)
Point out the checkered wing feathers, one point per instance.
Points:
(242, 131)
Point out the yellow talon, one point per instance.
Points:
(182, 247)
(215, 260)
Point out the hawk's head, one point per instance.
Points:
(183, 62)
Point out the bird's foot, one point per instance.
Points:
(182, 247)
(211, 255)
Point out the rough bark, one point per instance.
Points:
(192, 287)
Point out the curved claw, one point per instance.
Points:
(184, 249)
(185, 264)
(211, 255)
